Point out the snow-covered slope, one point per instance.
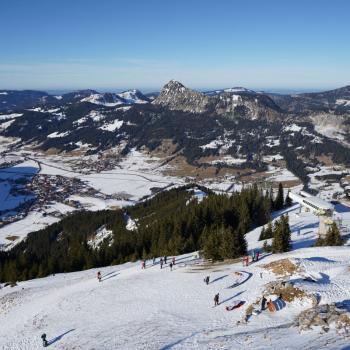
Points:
(162, 309)
(133, 96)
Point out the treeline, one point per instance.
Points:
(173, 222)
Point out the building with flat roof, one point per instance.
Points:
(313, 203)
(323, 209)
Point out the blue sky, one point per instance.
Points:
(112, 44)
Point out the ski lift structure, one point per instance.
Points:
(321, 208)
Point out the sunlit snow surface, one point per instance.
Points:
(162, 309)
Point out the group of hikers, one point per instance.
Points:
(255, 257)
(162, 261)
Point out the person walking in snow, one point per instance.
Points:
(143, 265)
(216, 299)
(171, 266)
(99, 277)
(206, 280)
(45, 342)
(174, 260)
(165, 257)
(161, 263)
(263, 303)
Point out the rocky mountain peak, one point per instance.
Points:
(173, 85)
(226, 102)
(176, 96)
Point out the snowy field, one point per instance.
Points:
(161, 309)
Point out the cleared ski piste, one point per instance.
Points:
(162, 309)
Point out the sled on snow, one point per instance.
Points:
(235, 305)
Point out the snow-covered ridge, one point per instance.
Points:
(113, 99)
(133, 96)
(56, 134)
(10, 116)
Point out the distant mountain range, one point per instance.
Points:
(236, 101)
(201, 127)
(15, 99)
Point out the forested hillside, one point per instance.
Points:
(173, 222)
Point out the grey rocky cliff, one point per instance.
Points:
(250, 105)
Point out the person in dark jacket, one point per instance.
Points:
(161, 263)
(216, 299)
(171, 266)
(263, 303)
(206, 280)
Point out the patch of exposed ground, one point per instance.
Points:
(283, 267)
(286, 290)
(325, 160)
(12, 238)
(180, 167)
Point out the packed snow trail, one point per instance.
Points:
(162, 309)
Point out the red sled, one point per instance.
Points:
(236, 304)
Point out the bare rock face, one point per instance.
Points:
(245, 104)
(324, 316)
(177, 97)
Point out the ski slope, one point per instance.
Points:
(161, 309)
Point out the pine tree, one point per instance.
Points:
(278, 204)
(212, 244)
(282, 236)
(288, 201)
(267, 232)
(333, 236)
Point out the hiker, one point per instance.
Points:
(99, 277)
(173, 260)
(165, 257)
(206, 280)
(247, 260)
(161, 263)
(263, 303)
(143, 266)
(216, 299)
(171, 266)
(45, 343)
